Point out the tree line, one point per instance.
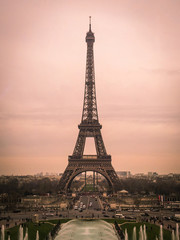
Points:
(45, 185)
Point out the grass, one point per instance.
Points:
(43, 228)
(151, 229)
(89, 188)
(119, 221)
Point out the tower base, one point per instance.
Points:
(92, 163)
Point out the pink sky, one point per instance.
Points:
(137, 68)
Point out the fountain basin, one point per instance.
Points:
(86, 230)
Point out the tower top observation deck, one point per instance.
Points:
(90, 35)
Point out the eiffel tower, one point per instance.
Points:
(89, 127)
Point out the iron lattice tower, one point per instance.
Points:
(89, 127)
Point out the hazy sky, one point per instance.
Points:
(42, 67)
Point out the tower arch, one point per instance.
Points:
(79, 171)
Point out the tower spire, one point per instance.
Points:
(89, 23)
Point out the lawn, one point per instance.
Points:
(119, 221)
(151, 229)
(89, 188)
(43, 228)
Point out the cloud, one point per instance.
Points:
(171, 72)
(144, 114)
(42, 115)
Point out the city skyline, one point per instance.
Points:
(43, 54)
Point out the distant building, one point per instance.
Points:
(124, 174)
(152, 174)
(39, 174)
(140, 175)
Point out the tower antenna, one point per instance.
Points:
(90, 23)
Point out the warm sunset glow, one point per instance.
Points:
(137, 72)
